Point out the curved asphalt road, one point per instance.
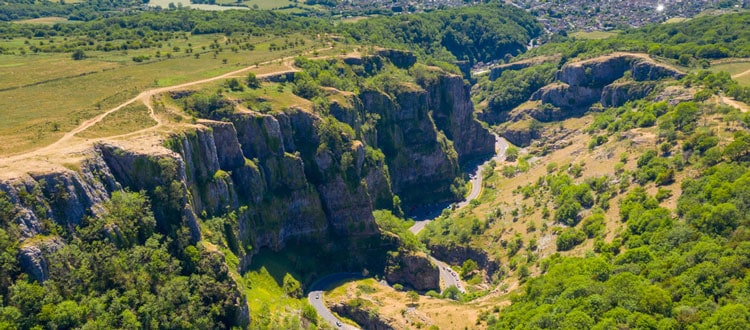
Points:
(447, 276)
(315, 297)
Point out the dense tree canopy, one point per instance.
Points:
(475, 34)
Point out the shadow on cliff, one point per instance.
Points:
(309, 261)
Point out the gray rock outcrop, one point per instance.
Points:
(413, 270)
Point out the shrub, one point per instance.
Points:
(593, 225)
(569, 238)
(511, 154)
(78, 55)
(567, 213)
(252, 81)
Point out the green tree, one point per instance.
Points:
(292, 287)
(234, 85)
(78, 55)
(468, 267)
(252, 81)
(567, 213)
(569, 238)
(413, 297)
(511, 154)
(452, 292)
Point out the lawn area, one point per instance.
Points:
(271, 97)
(128, 119)
(43, 96)
(594, 34)
(675, 20)
(44, 20)
(735, 69)
(263, 4)
(270, 306)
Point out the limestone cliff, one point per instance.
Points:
(610, 80)
(425, 130)
(453, 113)
(413, 270)
(456, 254)
(287, 176)
(363, 315)
(618, 93)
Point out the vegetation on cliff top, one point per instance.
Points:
(116, 271)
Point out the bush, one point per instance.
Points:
(234, 85)
(292, 287)
(252, 81)
(468, 267)
(452, 292)
(597, 141)
(509, 171)
(569, 238)
(593, 225)
(140, 58)
(78, 55)
(567, 213)
(663, 194)
(511, 154)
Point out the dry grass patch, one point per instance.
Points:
(43, 20)
(128, 119)
(56, 99)
(406, 314)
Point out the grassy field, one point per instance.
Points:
(128, 119)
(45, 95)
(594, 34)
(676, 20)
(406, 314)
(735, 69)
(264, 4)
(43, 20)
(271, 97)
(266, 298)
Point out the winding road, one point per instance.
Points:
(477, 178)
(315, 297)
(448, 277)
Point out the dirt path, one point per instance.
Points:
(746, 72)
(739, 105)
(64, 143)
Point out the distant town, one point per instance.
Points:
(595, 15)
(562, 16)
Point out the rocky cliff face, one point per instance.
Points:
(365, 318)
(458, 254)
(289, 176)
(413, 270)
(419, 158)
(618, 93)
(581, 84)
(571, 98)
(425, 131)
(453, 114)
